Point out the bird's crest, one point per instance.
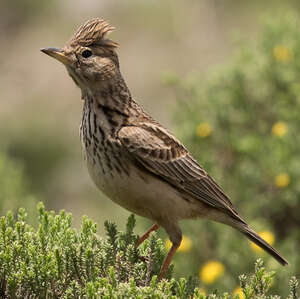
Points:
(93, 32)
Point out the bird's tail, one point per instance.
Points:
(254, 237)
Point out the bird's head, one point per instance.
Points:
(89, 56)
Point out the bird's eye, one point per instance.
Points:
(86, 53)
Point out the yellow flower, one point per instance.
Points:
(282, 180)
(238, 291)
(204, 130)
(186, 244)
(282, 53)
(279, 129)
(211, 271)
(267, 236)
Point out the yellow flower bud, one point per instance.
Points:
(282, 53)
(279, 129)
(204, 130)
(211, 271)
(282, 180)
(238, 291)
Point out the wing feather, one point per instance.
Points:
(163, 155)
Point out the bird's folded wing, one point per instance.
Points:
(163, 155)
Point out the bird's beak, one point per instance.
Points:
(57, 54)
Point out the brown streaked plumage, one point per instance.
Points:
(134, 160)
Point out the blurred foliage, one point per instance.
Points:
(242, 125)
(56, 261)
(41, 152)
(14, 191)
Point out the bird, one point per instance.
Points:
(130, 156)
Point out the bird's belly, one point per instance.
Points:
(142, 193)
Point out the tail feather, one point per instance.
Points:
(254, 237)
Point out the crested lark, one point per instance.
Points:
(134, 160)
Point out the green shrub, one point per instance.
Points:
(242, 125)
(56, 261)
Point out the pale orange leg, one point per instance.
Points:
(167, 261)
(146, 235)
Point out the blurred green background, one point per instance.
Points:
(222, 75)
